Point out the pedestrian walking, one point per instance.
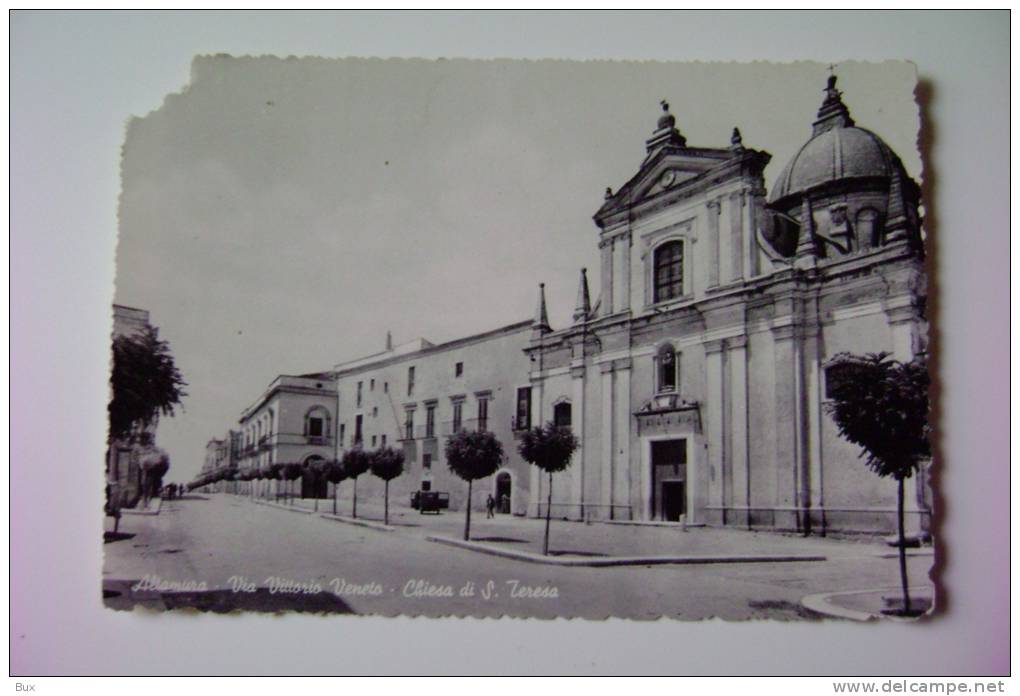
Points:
(490, 507)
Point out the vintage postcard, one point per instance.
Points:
(523, 338)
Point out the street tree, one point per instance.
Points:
(356, 461)
(550, 448)
(317, 468)
(473, 455)
(274, 472)
(335, 474)
(387, 464)
(145, 383)
(291, 473)
(881, 405)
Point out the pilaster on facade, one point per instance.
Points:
(608, 436)
(714, 207)
(904, 320)
(790, 460)
(736, 241)
(577, 423)
(738, 432)
(716, 426)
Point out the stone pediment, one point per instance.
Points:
(668, 169)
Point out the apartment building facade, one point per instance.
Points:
(415, 395)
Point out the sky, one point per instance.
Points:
(280, 215)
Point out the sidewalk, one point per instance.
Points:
(866, 605)
(521, 536)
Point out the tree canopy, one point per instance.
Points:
(292, 471)
(881, 405)
(387, 463)
(356, 461)
(473, 455)
(336, 472)
(548, 447)
(145, 382)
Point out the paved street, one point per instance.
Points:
(213, 539)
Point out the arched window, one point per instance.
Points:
(669, 271)
(562, 414)
(668, 368)
(317, 423)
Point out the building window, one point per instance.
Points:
(562, 415)
(836, 376)
(343, 429)
(373, 440)
(375, 412)
(869, 231)
(458, 369)
(668, 368)
(669, 271)
(458, 416)
(315, 427)
(357, 430)
(386, 387)
(483, 414)
(410, 381)
(409, 424)
(359, 395)
(371, 384)
(383, 443)
(522, 419)
(430, 421)
(426, 461)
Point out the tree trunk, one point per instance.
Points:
(548, 515)
(467, 518)
(336, 492)
(903, 547)
(316, 493)
(386, 504)
(354, 512)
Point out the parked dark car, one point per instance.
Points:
(430, 501)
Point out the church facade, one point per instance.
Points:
(697, 382)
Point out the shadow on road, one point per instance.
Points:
(110, 537)
(500, 540)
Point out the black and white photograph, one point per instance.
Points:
(534, 339)
(506, 343)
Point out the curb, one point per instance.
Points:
(821, 604)
(654, 523)
(608, 561)
(358, 522)
(292, 508)
(910, 554)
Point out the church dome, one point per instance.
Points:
(837, 151)
(836, 154)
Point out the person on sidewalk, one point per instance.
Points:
(490, 507)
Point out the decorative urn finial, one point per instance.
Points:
(667, 120)
(736, 140)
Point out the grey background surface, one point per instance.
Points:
(77, 77)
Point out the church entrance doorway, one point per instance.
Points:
(674, 500)
(669, 479)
